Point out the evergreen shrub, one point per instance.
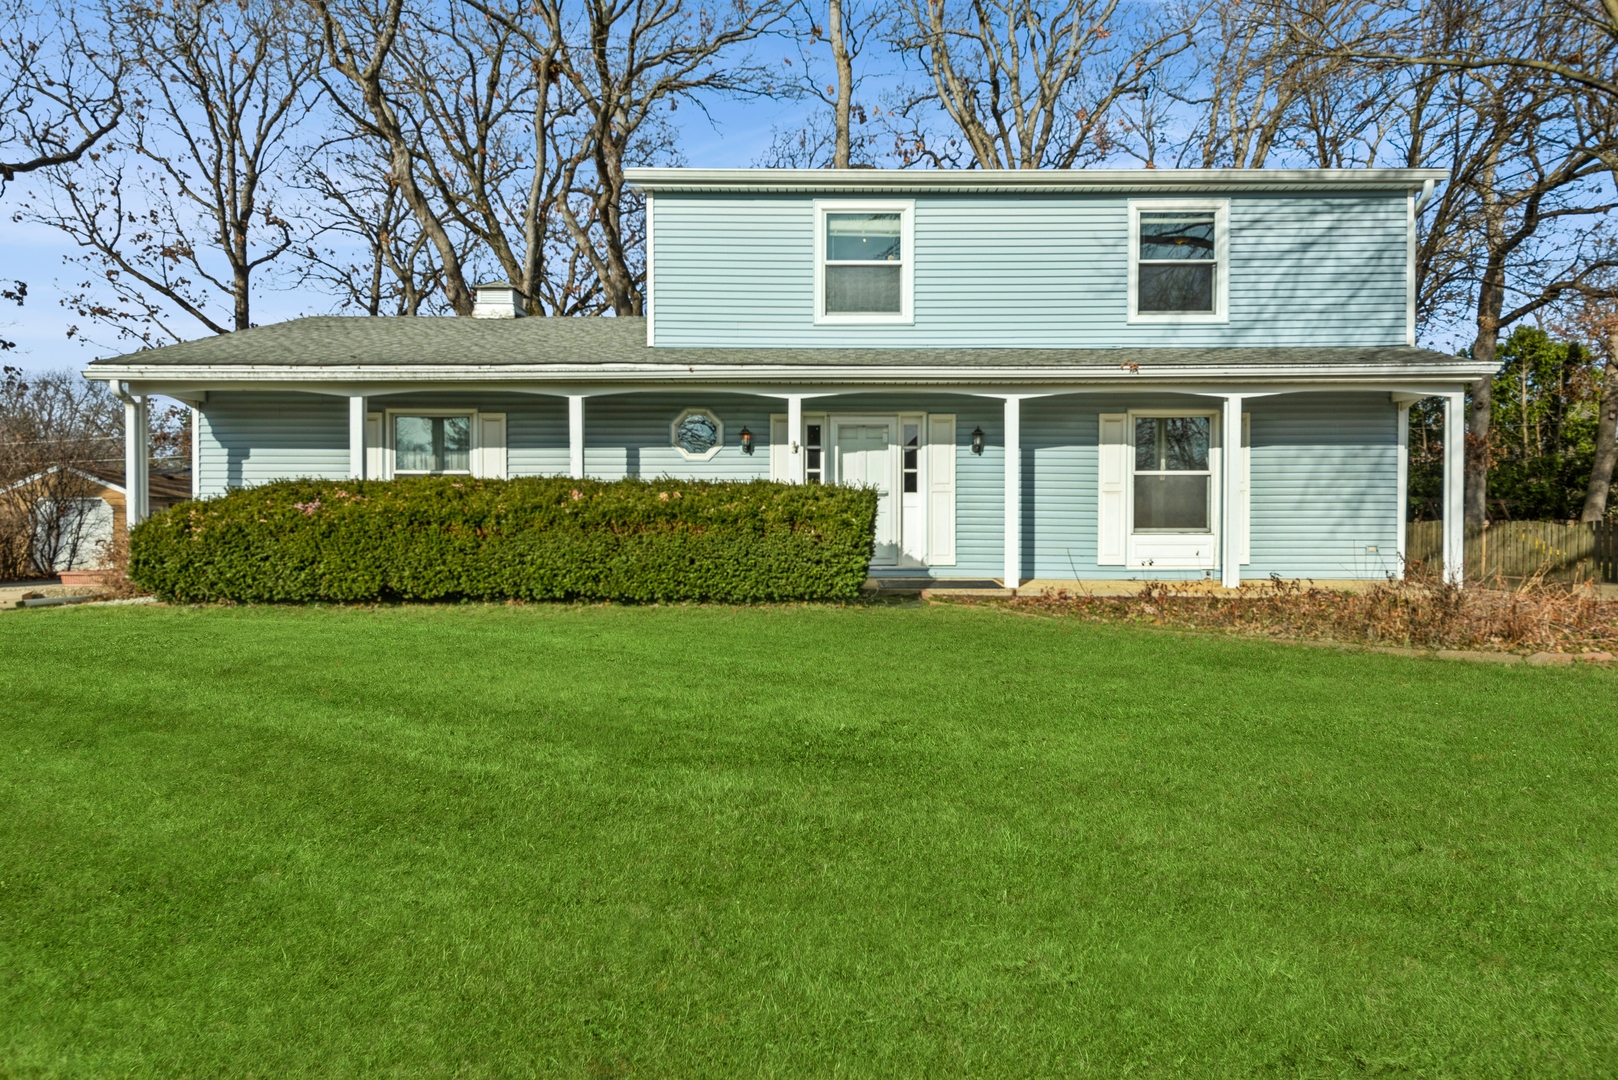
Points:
(445, 538)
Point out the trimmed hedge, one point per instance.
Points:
(443, 538)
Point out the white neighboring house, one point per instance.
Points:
(72, 522)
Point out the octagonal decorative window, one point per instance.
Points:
(697, 434)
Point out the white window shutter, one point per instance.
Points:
(1113, 458)
(1246, 481)
(373, 446)
(780, 450)
(491, 452)
(941, 453)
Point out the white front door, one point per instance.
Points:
(866, 454)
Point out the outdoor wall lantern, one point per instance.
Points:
(977, 441)
(747, 441)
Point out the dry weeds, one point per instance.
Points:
(1533, 617)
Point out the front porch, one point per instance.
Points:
(1030, 486)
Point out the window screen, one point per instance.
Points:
(864, 264)
(1177, 263)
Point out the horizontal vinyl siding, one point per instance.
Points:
(1325, 486)
(1032, 271)
(1060, 463)
(629, 435)
(252, 438)
(536, 425)
(979, 480)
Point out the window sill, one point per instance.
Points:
(864, 320)
(1176, 318)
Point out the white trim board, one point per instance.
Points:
(1044, 180)
(906, 209)
(1220, 208)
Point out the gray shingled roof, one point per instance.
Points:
(347, 341)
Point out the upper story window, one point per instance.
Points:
(1178, 260)
(863, 261)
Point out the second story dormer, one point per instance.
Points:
(1084, 258)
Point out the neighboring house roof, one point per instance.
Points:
(393, 347)
(1047, 181)
(162, 487)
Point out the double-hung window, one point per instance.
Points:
(1173, 477)
(1178, 261)
(439, 443)
(863, 262)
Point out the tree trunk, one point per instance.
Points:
(1595, 498)
(845, 85)
(1491, 297)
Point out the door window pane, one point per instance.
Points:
(1172, 501)
(812, 448)
(432, 444)
(912, 458)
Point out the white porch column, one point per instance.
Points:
(137, 482)
(1013, 441)
(575, 436)
(356, 438)
(196, 452)
(1230, 492)
(795, 456)
(1454, 478)
(1403, 481)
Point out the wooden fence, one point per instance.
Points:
(1515, 550)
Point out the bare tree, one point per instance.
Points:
(1568, 43)
(178, 218)
(59, 95)
(1030, 84)
(1600, 322)
(631, 63)
(828, 137)
(513, 125)
(366, 247)
(56, 428)
(1263, 99)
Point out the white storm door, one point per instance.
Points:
(866, 455)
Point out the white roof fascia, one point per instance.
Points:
(41, 474)
(797, 375)
(1027, 180)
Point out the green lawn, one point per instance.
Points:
(863, 841)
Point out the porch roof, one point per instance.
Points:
(452, 349)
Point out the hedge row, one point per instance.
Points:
(441, 538)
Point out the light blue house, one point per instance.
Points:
(1051, 376)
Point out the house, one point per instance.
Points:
(73, 512)
(1057, 375)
